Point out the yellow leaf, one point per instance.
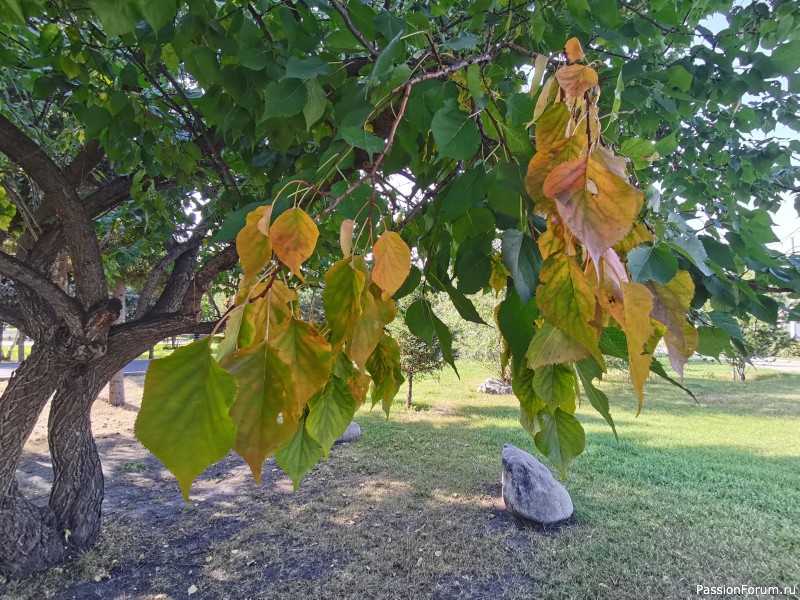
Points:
(637, 236)
(567, 301)
(307, 354)
(376, 313)
(263, 222)
(539, 68)
(637, 305)
(576, 80)
(252, 245)
(551, 240)
(341, 298)
(346, 236)
(680, 349)
(670, 304)
(597, 205)
(499, 276)
(546, 96)
(543, 163)
(552, 126)
(392, 262)
(294, 235)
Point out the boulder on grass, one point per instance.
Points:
(530, 491)
(495, 386)
(352, 433)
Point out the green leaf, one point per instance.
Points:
(382, 69)
(555, 384)
(727, 322)
(265, 412)
(419, 322)
(184, 417)
(456, 133)
(522, 259)
(331, 411)
(713, 341)
(515, 320)
(786, 57)
(13, 11)
(342, 299)
(309, 68)
(284, 99)
(464, 305)
(118, 16)
(551, 346)
(637, 148)
(384, 367)
(561, 438)
(652, 263)
(360, 138)
(588, 370)
(158, 13)
(529, 403)
(316, 103)
(299, 454)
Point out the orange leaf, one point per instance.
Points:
(376, 313)
(294, 235)
(576, 80)
(573, 50)
(392, 262)
(670, 305)
(543, 163)
(597, 205)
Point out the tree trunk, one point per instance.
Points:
(2, 340)
(20, 347)
(410, 386)
(116, 387)
(152, 353)
(77, 494)
(29, 540)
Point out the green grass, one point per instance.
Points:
(692, 492)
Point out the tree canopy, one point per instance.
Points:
(610, 168)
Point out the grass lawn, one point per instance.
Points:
(691, 494)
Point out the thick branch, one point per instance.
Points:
(27, 154)
(84, 163)
(63, 305)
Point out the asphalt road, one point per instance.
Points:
(136, 367)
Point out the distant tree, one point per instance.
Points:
(762, 340)
(417, 358)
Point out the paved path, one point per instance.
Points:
(136, 367)
(779, 364)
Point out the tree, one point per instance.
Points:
(417, 357)
(291, 135)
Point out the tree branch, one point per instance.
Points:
(348, 22)
(64, 306)
(84, 163)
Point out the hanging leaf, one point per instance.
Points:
(543, 163)
(652, 263)
(384, 366)
(561, 438)
(551, 346)
(587, 371)
(331, 411)
(456, 133)
(566, 300)
(252, 245)
(294, 236)
(637, 306)
(597, 205)
(552, 126)
(184, 417)
(573, 50)
(307, 354)
(555, 384)
(376, 313)
(576, 80)
(265, 412)
(392, 262)
(346, 236)
(342, 300)
(299, 454)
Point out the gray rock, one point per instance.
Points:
(530, 491)
(351, 434)
(495, 386)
